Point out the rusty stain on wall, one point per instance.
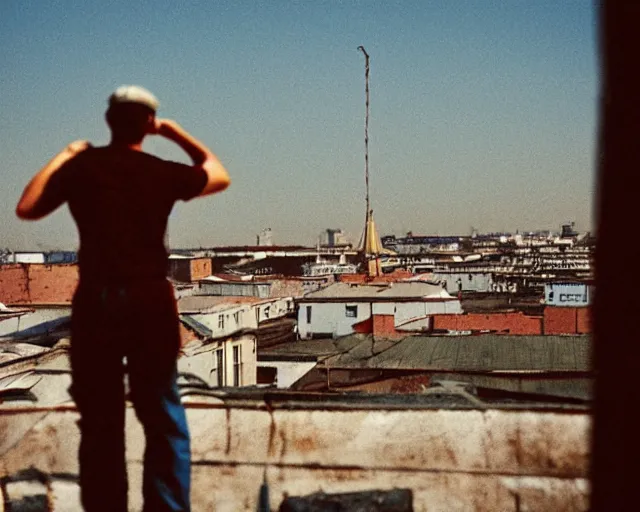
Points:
(451, 459)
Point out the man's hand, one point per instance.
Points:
(156, 127)
(217, 176)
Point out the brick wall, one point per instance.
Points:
(584, 325)
(200, 268)
(511, 323)
(384, 325)
(13, 284)
(558, 320)
(38, 283)
(364, 327)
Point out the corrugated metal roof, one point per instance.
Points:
(419, 290)
(484, 353)
(476, 353)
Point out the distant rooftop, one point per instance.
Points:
(490, 352)
(200, 303)
(379, 291)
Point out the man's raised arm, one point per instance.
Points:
(217, 176)
(38, 200)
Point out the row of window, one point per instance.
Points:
(220, 366)
(237, 318)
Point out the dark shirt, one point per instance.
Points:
(121, 200)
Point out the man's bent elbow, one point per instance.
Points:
(217, 177)
(223, 183)
(25, 213)
(216, 184)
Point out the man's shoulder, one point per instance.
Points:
(107, 159)
(108, 154)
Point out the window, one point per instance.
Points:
(219, 355)
(220, 321)
(308, 314)
(236, 317)
(266, 311)
(351, 311)
(237, 366)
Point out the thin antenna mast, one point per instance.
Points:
(366, 131)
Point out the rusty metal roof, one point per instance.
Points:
(477, 353)
(484, 353)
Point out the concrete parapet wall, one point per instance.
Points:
(478, 460)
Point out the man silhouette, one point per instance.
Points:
(124, 307)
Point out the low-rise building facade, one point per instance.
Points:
(346, 308)
(220, 335)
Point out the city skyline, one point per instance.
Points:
(482, 115)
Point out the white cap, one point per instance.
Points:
(134, 94)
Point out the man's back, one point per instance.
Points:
(121, 200)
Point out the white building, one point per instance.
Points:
(214, 285)
(7, 257)
(222, 350)
(222, 362)
(473, 281)
(336, 237)
(285, 369)
(343, 308)
(265, 237)
(567, 294)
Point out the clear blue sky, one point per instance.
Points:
(483, 113)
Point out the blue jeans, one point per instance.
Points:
(137, 322)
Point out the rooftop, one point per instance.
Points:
(209, 303)
(452, 451)
(483, 353)
(379, 291)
